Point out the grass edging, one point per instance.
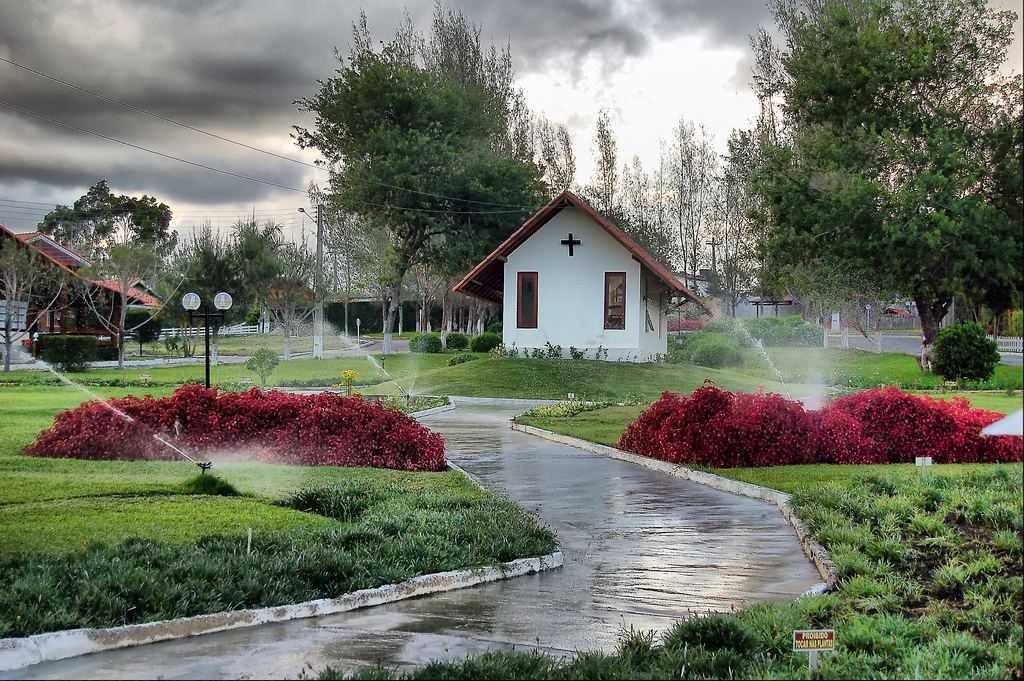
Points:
(16, 653)
(811, 548)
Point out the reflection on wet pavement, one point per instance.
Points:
(642, 549)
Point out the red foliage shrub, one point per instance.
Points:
(687, 324)
(315, 430)
(714, 427)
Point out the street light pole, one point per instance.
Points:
(191, 301)
(318, 285)
(318, 311)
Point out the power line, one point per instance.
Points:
(166, 119)
(239, 175)
(151, 151)
(193, 128)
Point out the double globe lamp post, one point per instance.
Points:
(191, 302)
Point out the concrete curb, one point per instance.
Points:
(501, 401)
(16, 653)
(812, 549)
(432, 410)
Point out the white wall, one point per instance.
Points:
(570, 309)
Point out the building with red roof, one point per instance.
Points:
(71, 312)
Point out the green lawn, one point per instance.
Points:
(860, 369)
(553, 379)
(296, 372)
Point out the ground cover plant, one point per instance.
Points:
(606, 425)
(930, 586)
(324, 541)
(323, 429)
(721, 429)
(102, 543)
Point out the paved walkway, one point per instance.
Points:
(642, 549)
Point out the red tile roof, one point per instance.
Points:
(66, 259)
(486, 280)
(140, 297)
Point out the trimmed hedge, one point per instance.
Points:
(68, 352)
(964, 351)
(485, 342)
(721, 429)
(714, 350)
(457, 341)
(426, 342)
(274, 427)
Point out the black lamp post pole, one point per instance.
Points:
(206, 325)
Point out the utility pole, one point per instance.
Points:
(714, 259)
(318, 311)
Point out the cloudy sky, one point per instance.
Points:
(235, 67)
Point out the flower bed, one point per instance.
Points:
(312, 430)
(722, 429)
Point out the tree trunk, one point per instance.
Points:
(287, 342)
(931, 311)
(446, 315)
(8, 338)
(392, 314)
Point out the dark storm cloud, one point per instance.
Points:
(729, 22)
(236, 68)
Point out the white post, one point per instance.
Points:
(318, 311)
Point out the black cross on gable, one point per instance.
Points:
(570, 242)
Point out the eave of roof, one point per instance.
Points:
(486, 280)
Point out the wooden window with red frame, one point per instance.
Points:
(526, 300)
(615, 300)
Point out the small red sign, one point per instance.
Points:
(807, 640)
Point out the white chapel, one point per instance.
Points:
(571, 278)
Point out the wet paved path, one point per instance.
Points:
(642, 549)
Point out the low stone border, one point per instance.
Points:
(814, 551)
(502, 401)
(433, 410)
(16, 653)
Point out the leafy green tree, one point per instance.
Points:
(101, 218)
(108, 287)
(262, 362)
(422, 153)
(896, 148)
(207, 264)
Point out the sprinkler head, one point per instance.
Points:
(204, 466)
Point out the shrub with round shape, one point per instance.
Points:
(426, 342)
(495, 328)
(964, 351)
(485, 342)
(458, 341)
(275, 427)
(714, 350)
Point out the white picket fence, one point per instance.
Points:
(236, 330)
(1010, 343)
